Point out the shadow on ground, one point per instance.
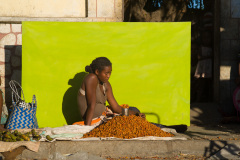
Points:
(207, 117)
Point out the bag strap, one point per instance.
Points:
(34, 101)
(15, 95)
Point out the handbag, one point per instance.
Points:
(23, 115)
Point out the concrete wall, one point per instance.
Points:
(11, 28)
(229, 49)
(43, 8)
(10, 55)
(90, 11)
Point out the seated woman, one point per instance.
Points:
(96, 90)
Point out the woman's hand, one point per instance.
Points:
(142, 115)
(131, 112)
(111, 100)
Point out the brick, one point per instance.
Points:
(105, 8)
(19, 39)
(2, 70)
(2, 55)
(16, 27)
(92, 8)
(9, 40)
(5, 69)
(5, 82)
(5, 28)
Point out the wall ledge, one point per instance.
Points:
(20, 19)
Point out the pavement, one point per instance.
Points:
(205, 139)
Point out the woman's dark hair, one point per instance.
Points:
(98, 63)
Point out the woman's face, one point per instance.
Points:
(105, 74)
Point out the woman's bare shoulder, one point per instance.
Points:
(91, 78)
(108, 85)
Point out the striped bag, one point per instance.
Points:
(23, 115)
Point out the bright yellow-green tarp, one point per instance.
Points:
(151, 67)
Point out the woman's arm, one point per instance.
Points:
(114, 105)
(111, 100)
(91, 83)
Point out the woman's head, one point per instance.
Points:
(102, 67)
(98, 64)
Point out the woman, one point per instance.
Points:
(3, 111)
(96, 90)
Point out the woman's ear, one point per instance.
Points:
(96, 71)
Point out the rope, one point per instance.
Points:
(15, 94)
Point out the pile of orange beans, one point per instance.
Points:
(127, 127)
(125, 106)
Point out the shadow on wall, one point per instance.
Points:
(153, 114)
(13, 69)
(69, 105)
